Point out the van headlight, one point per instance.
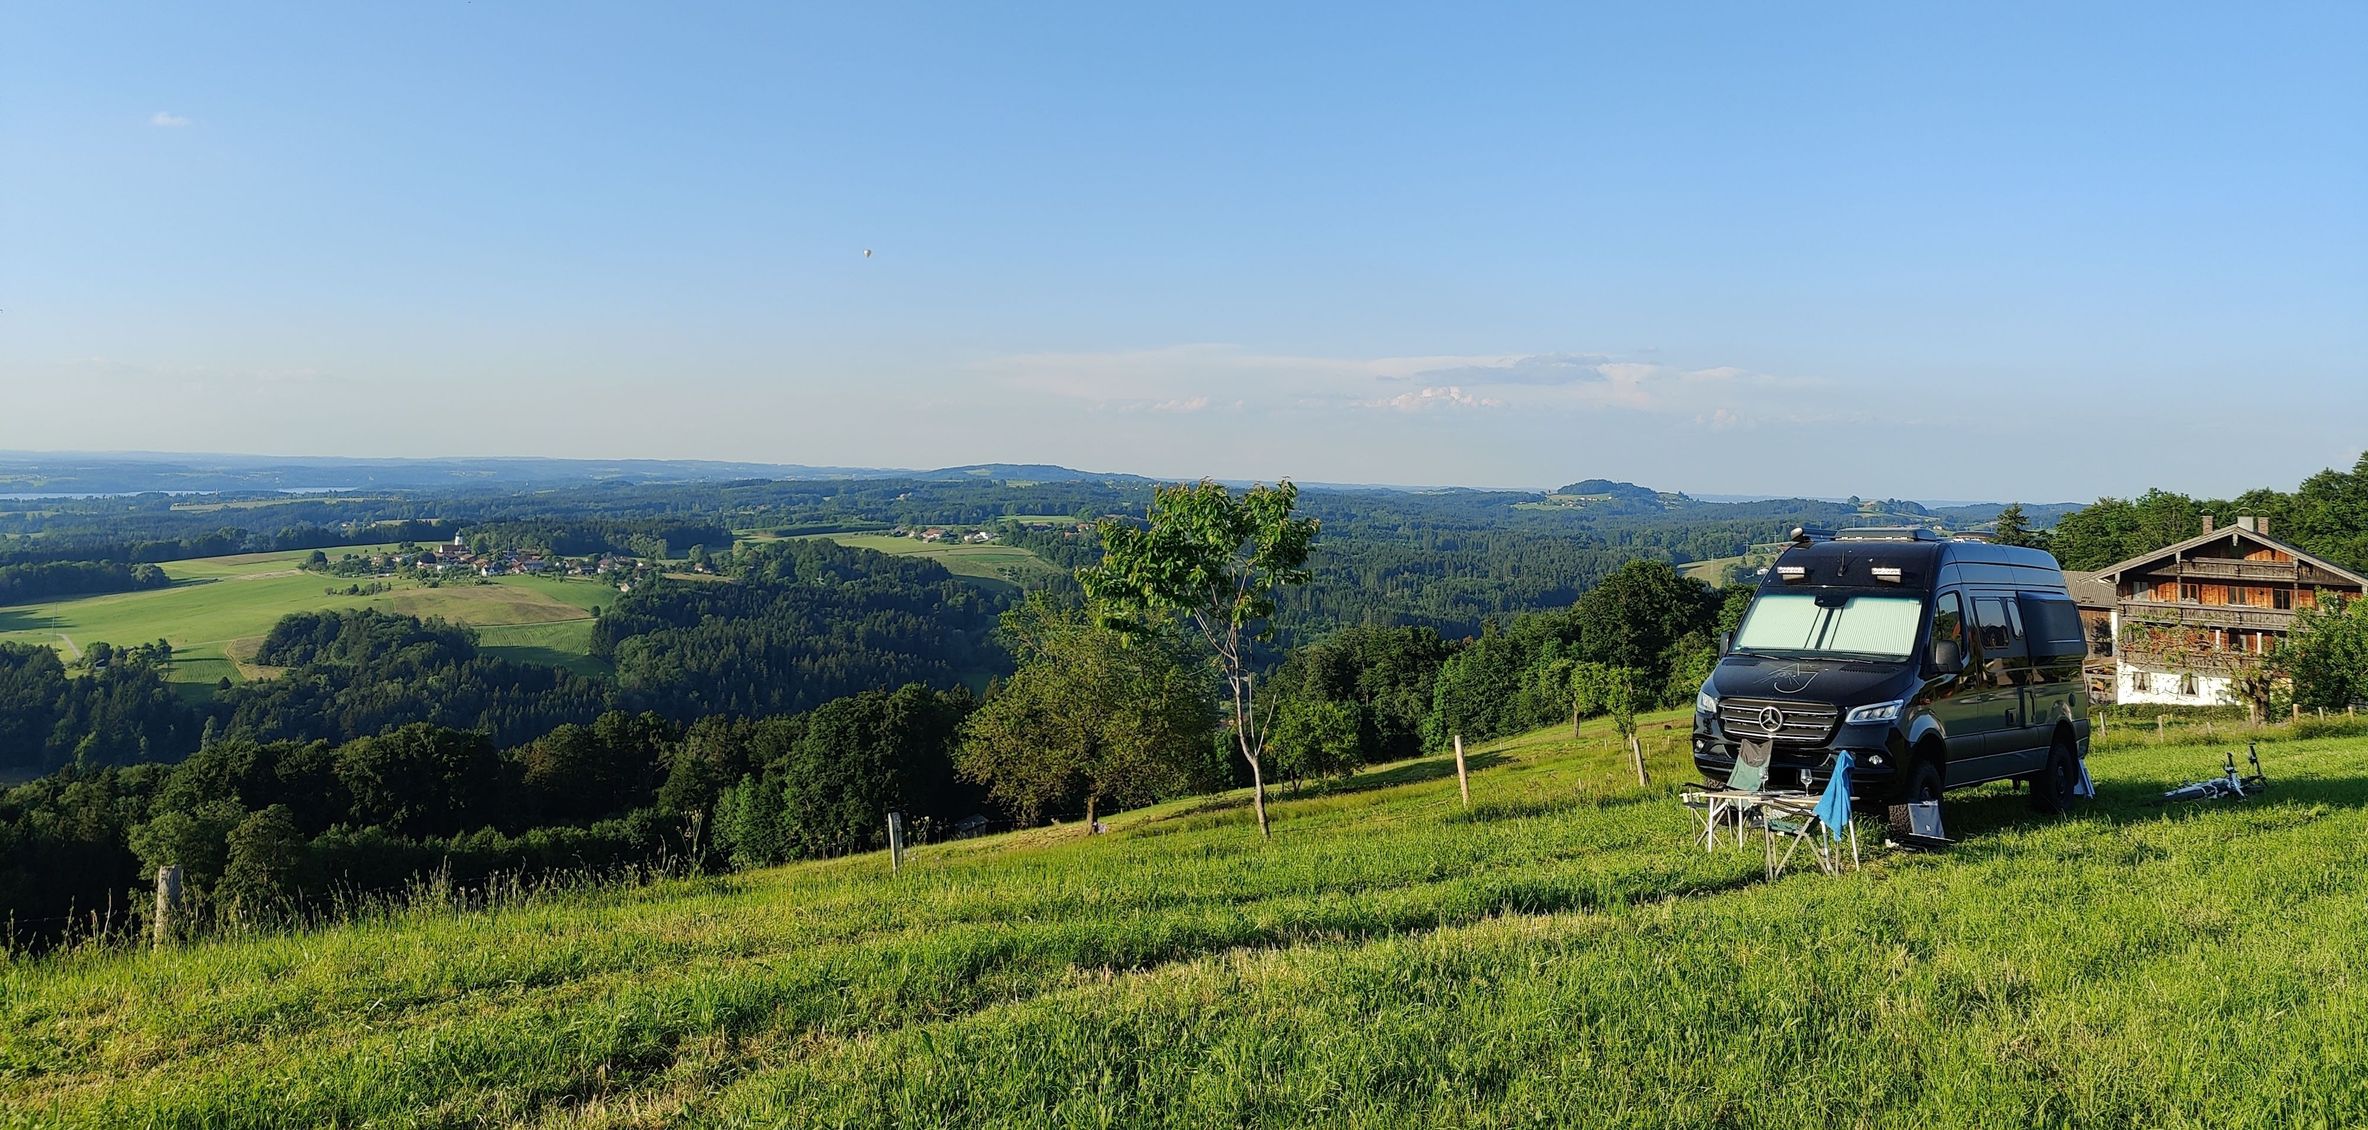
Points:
(1876, 712)
(1705, 702)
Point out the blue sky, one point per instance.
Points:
(1891, 249)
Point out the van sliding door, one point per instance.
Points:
(1994, 704)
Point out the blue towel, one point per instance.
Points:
(1833, 808)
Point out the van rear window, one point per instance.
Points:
(1857, 625)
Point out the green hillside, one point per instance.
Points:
(1563, 955)
(218, 609)
(1001, 566)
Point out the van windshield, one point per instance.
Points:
(1832, 624)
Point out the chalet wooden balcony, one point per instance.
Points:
(2190, 662)
(2192, 615)
(2219, 567)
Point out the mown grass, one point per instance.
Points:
(1564, 954)
(218, 609)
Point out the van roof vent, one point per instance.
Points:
(1887, 533)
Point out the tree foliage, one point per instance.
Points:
(1091, 718)
(2326, 656)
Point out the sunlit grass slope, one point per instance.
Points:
(1564, 954)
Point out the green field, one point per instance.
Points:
(219, 608)
(990, 563)
(1714, 570)
(1565, 954)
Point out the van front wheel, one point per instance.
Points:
(1923, 784)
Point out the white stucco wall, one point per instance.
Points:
(2133, 684)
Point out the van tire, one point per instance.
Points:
(2052, 787)
(1923, 784)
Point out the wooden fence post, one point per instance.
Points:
(1462, 782)
(895, 842)
(168, 904)
(2160, 720)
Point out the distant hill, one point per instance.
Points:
(29, 472)
(1611, 496)
(1017, 472)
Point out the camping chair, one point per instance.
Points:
(1732, 804)
(1822, 823)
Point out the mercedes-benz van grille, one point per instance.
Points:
(1786, 721)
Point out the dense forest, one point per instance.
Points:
(263, 829)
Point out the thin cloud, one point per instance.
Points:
(1195, 377)
(166, 119)
(1449, 396)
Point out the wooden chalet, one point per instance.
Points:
(2188, 617)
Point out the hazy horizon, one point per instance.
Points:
(2042, 254)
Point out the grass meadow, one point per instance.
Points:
(218, 609)
(995, 565)
(1563, 953)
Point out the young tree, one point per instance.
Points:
(1316, 738)
(1611, 691)
(260, 870)
(1214, 560)
(1087, 718)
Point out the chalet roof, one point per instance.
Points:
(2112, 573)
(2089, 590)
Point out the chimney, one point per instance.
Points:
(2261, 525)
(2209, 523)
(2245, 522)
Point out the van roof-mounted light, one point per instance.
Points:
(1888, 574)
(1793, 574)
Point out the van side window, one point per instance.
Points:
(1948, 621)
(1990, 616)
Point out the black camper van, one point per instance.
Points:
(1938, 663)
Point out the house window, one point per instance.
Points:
(2187, 685)
(2191, 593)
(2282, 598)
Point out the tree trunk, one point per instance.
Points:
(1091, 802)
(1258, 793)
(1574, 720)
(1642, 781)
(1244, 712)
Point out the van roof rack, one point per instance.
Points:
(1803, 535)
(1888, 533)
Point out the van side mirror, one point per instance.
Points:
(1947, 657)
(1726, 642)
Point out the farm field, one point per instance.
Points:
(1714, 570)
(1564, 953)
(1001, 565)
(219, 608)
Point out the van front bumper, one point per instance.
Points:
(1877, 759)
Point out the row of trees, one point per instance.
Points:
(41, 581)
(2326, 515)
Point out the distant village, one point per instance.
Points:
(981, 535)
(455, 560)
